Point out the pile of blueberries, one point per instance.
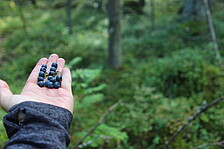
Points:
(53, 80)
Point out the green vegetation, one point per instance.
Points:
(166, 75)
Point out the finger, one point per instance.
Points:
(66, 79)
(5, 92)
(34, 74)
(52, 58)
(61, 64)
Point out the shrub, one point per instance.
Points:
(184, 73)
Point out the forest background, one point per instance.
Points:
(146, 73)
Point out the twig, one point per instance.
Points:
(192, 118)
(99, 122)
(212, 31)
(220, 144)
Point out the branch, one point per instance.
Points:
(99, 122)
(212, 31)
(192, 118)
(220, 144)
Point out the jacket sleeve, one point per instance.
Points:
(43, 126)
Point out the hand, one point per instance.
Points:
(61, 97)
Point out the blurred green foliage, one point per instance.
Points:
(184, 73)
(89, 95)
(167, 72)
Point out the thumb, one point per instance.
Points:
(5, 93)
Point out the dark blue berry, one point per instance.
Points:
(51, 73)
(52, 80)
(40, 79)
(46, 83)
(44, 65)
(43, 69)
(57, 84)
(54, 65)
(53, 69)
(50, 77)
(41, 74)
(50, 85)
(41, 83)
(59, 78)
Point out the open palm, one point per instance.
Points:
(61, 97)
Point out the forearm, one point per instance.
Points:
(44, 126)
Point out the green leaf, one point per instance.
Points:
(204, 118)
(112, 132)
(95, 89)
(74, 62)
(156, 140)
(91, 99)
(87, 75)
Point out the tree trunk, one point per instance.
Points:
(142, 3)
(212, 31)
(68, 13)
(193, 10)
(114, 28)
(34, 3)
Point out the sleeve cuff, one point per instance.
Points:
(36, 112)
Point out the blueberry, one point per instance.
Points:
(51, 73)
(50, 85)
(57, 84)
(59, 78)
(40, 79)
(41, 83)
(41, 74)
(43, 69)
(46, 83)
(50, 77)
(54, 65)
(44, 65)
(52, 80)
(53, 69)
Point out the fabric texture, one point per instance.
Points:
(42, 126)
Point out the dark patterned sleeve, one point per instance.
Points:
(36, 125)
